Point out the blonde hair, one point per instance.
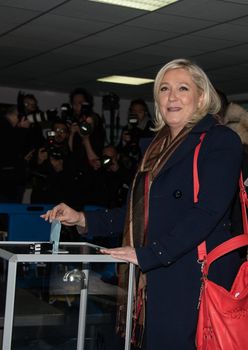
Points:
(210, 102)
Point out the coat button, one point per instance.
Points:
(177, 194)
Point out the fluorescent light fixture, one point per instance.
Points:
(148, 5)
(121, 79)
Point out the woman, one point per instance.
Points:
(163, 226)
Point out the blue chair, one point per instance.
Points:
(25, 223)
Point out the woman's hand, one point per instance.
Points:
(124, 253)
(66, 215)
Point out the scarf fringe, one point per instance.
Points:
(139, 318)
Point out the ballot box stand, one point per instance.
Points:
(16, 254)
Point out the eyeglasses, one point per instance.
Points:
(32, 104)
(60, 130)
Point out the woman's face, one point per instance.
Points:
(178, 99)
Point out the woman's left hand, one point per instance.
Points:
(124, 253)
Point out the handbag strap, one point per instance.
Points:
(233, 243)
(202, 249)
(224, 248)
(244, 203)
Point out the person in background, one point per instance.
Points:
(87, 133)
(28, 107)
(139, 115)
(56, 174)
(14, 147)
(30, 103)
(163, 224)
(235, 117)
(111, 180)
(139, 127)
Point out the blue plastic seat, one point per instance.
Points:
(25, 223)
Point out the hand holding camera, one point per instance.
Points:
(57, 164)
(42, 155)
(23, 123)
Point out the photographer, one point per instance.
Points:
(55, 172)
(14, 147)
(138, 127)
(28, 110)
(87, 134)
(110, 182)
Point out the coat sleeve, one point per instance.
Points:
(219, 167)
(105, 222)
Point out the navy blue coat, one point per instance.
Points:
(177, 225)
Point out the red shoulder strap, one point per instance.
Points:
(243, 203)
(202, 250)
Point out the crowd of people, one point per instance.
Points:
(65, 155)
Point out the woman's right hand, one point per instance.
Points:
(66, 215)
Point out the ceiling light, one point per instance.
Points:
(120, 79)
(148, 5)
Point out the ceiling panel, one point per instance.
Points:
(24, 44)
(235, 33)
(98, 12)
(170, 23)
(171, 51)
(15, 16)
(66, 25)
(43, 5)
(200, 42)
(216, 10)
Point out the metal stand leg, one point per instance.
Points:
(129, 307)
(9, 306)
(82, 311)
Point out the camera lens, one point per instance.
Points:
(133, 119)
(85, 128)
(106, 161)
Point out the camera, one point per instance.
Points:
(36, 116)
(52, 150)
(68, 116)
(133, 120)
(50, 137)
(86, 109)
(106, 161)
(110, 101)
(85, 128)
(40, 116)
(55, 152)
(66, 113)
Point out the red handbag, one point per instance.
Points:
(223, 315)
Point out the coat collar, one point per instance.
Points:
(191, 141)
(204, 124)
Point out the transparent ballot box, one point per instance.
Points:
(66, 299)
